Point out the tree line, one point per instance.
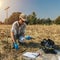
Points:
(31, 19)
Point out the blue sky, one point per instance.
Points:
(43, 8)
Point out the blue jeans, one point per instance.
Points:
(19, 37)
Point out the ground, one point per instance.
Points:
(38, 32)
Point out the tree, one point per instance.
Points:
(32, 19)
(12, 18)
(57, 20)
(42, 21)
(38, 21)
(1, 22)
(48, 21)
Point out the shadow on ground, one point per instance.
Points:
(9, 51)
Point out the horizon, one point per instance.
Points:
(42, 8)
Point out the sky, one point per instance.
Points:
(42, 8)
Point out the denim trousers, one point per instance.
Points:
(19, 37)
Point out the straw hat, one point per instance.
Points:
(23, 17)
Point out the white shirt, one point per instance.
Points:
(18, 29)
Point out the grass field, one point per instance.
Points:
(38, 32)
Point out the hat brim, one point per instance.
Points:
(23, 19)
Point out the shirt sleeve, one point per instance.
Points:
(13, 29)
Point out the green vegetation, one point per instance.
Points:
(32, 19)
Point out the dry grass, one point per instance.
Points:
(38, 32)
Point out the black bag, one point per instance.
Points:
(48, 46)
